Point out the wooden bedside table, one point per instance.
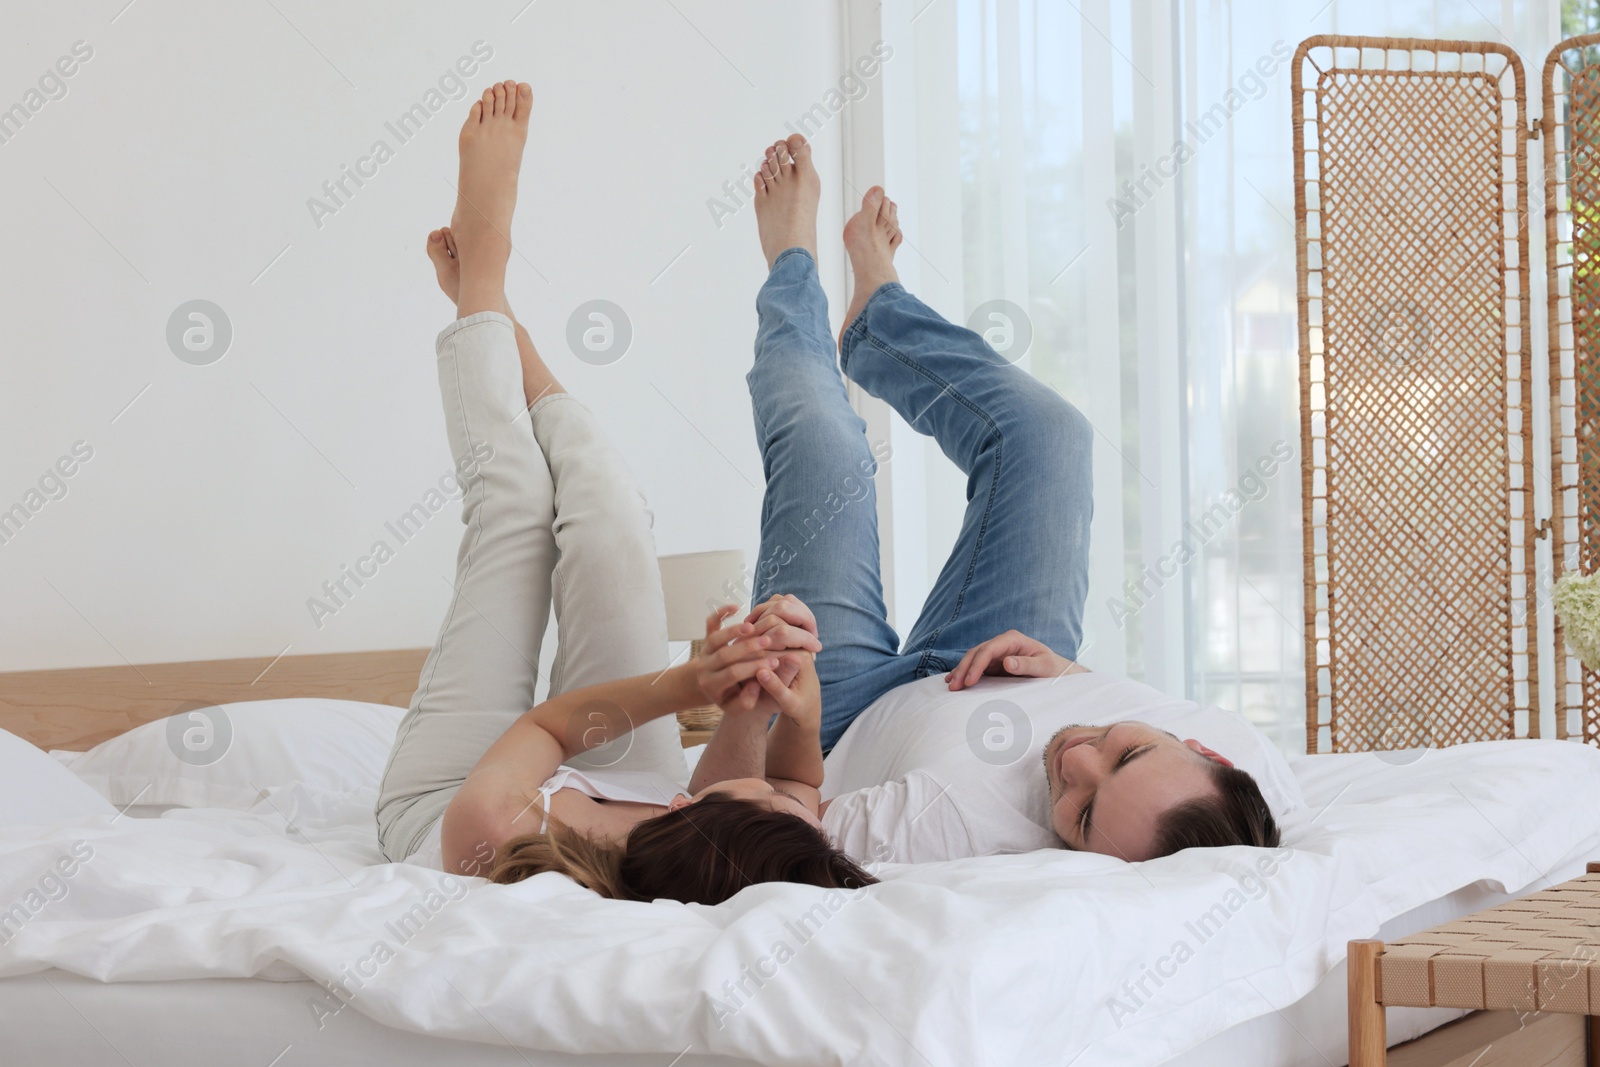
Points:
(1530, 968)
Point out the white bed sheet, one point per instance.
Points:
(52, 1017)
(964, 962)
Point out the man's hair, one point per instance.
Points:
(1237, 815)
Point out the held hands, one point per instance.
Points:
(741, 665)
(793, 690)
(788, 607)
(1011, 653)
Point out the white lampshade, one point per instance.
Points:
(695, 582)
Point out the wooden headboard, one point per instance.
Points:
(79, 707)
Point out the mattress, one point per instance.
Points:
(150, 955)
(54, 1018)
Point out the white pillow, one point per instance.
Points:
(36, 789)
(225, 755)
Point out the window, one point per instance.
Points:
(1125, 179)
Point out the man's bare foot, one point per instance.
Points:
(492, 140)
(871, 237)
(787, 190)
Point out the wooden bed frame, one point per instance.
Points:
(80, 707)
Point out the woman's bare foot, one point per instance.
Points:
(537, 381)
(787, 190)
(492, 140)
(442, 251)
(447, 266)
(871, 237)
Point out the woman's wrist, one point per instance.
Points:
(682, 685)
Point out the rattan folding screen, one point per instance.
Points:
(1417, 385)
(1571, 122)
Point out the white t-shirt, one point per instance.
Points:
(640, 787)
(926, 775)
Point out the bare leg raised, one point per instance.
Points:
(537, 379)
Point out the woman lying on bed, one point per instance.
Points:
(589, 783)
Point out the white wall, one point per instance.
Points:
(179, 164)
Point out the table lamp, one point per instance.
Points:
(694, 583)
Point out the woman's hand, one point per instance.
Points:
(1010, 653)
(725, 671)
(786, 607)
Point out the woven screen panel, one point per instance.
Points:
(1572, 265)
(1411, 227)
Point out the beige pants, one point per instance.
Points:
(552, 515)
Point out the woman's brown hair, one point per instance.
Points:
(702, 853)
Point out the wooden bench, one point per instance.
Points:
(1528, 968)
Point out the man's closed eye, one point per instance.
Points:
(1086, 816)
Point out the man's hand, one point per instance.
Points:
(794, 743)
(797, 698)
(1010, 653)
(725, 671)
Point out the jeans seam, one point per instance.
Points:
(787, 252)
(988, 507)
(825, 347)
(857, 327)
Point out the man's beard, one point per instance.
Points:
(1050, 744)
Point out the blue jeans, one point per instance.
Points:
(1022, 559)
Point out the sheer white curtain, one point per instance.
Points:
(1120, 174)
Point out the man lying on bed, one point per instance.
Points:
(943, 781)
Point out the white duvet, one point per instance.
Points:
(1049, 957)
